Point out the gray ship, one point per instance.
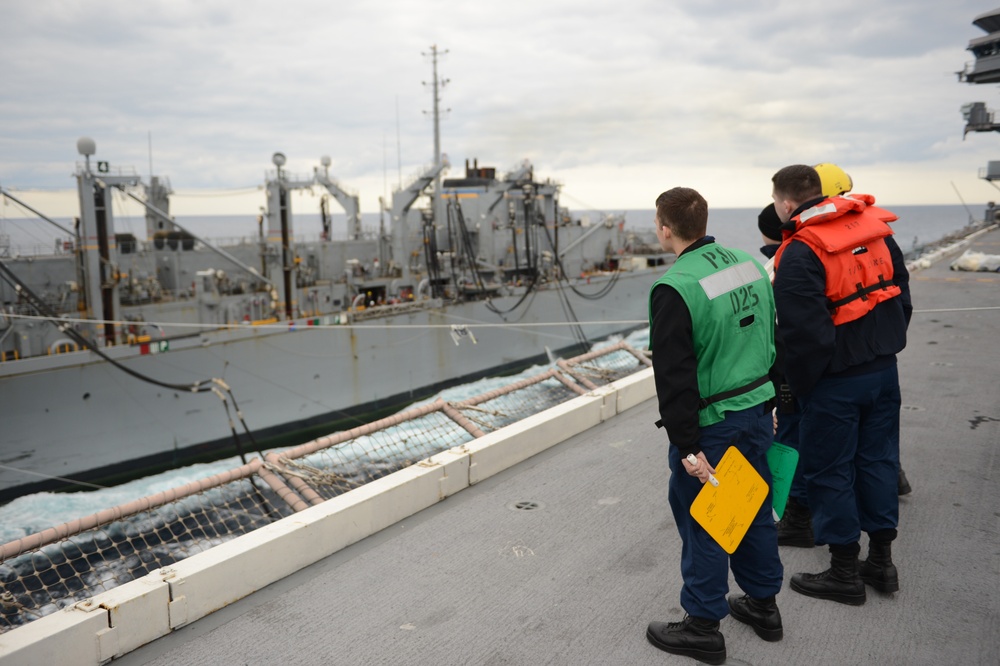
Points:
(122, 356)
(985, 69)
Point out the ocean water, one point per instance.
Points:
(735, 227)
(916, 226)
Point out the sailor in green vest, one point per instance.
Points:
(711, 331)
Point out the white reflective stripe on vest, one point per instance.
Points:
(817, 210)
(725, 281)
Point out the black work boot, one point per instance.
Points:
(795, 527)
(691, 637)
(902, 485)
(840, 583)
(878, 570)
(761, 614)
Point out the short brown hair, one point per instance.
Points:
(684, 211)
(798, 183)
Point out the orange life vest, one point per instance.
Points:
(848, 234)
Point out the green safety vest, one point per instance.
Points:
(731, 303)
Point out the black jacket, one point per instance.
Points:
(814, 347)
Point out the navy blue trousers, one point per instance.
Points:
(704, 564)
(849, 436)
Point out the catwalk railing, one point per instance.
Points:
(66, 564)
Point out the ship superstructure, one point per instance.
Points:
(122, 355)
(985, 69)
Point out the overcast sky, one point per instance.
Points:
(616, 100)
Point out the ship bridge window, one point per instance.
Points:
(126, 243)
(985, 50)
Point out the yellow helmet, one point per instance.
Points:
(834, 179)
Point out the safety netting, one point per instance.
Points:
(69, 563)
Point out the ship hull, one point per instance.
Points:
(78, 417)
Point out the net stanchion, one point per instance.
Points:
(643, 358)
(603, 366)
(287, 495)
(459, 418)
(571, 369)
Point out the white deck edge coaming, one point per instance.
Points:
(116, 622)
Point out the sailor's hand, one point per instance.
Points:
(698, 467)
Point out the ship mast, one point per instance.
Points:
(436, 85)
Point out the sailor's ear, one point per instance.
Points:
(784, 207)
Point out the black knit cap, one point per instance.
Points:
(769, 223)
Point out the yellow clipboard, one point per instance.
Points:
(726, 510)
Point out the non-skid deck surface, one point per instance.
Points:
(576, 579)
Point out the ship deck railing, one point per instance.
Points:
(74, 563)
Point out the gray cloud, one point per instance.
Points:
(635, 84)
